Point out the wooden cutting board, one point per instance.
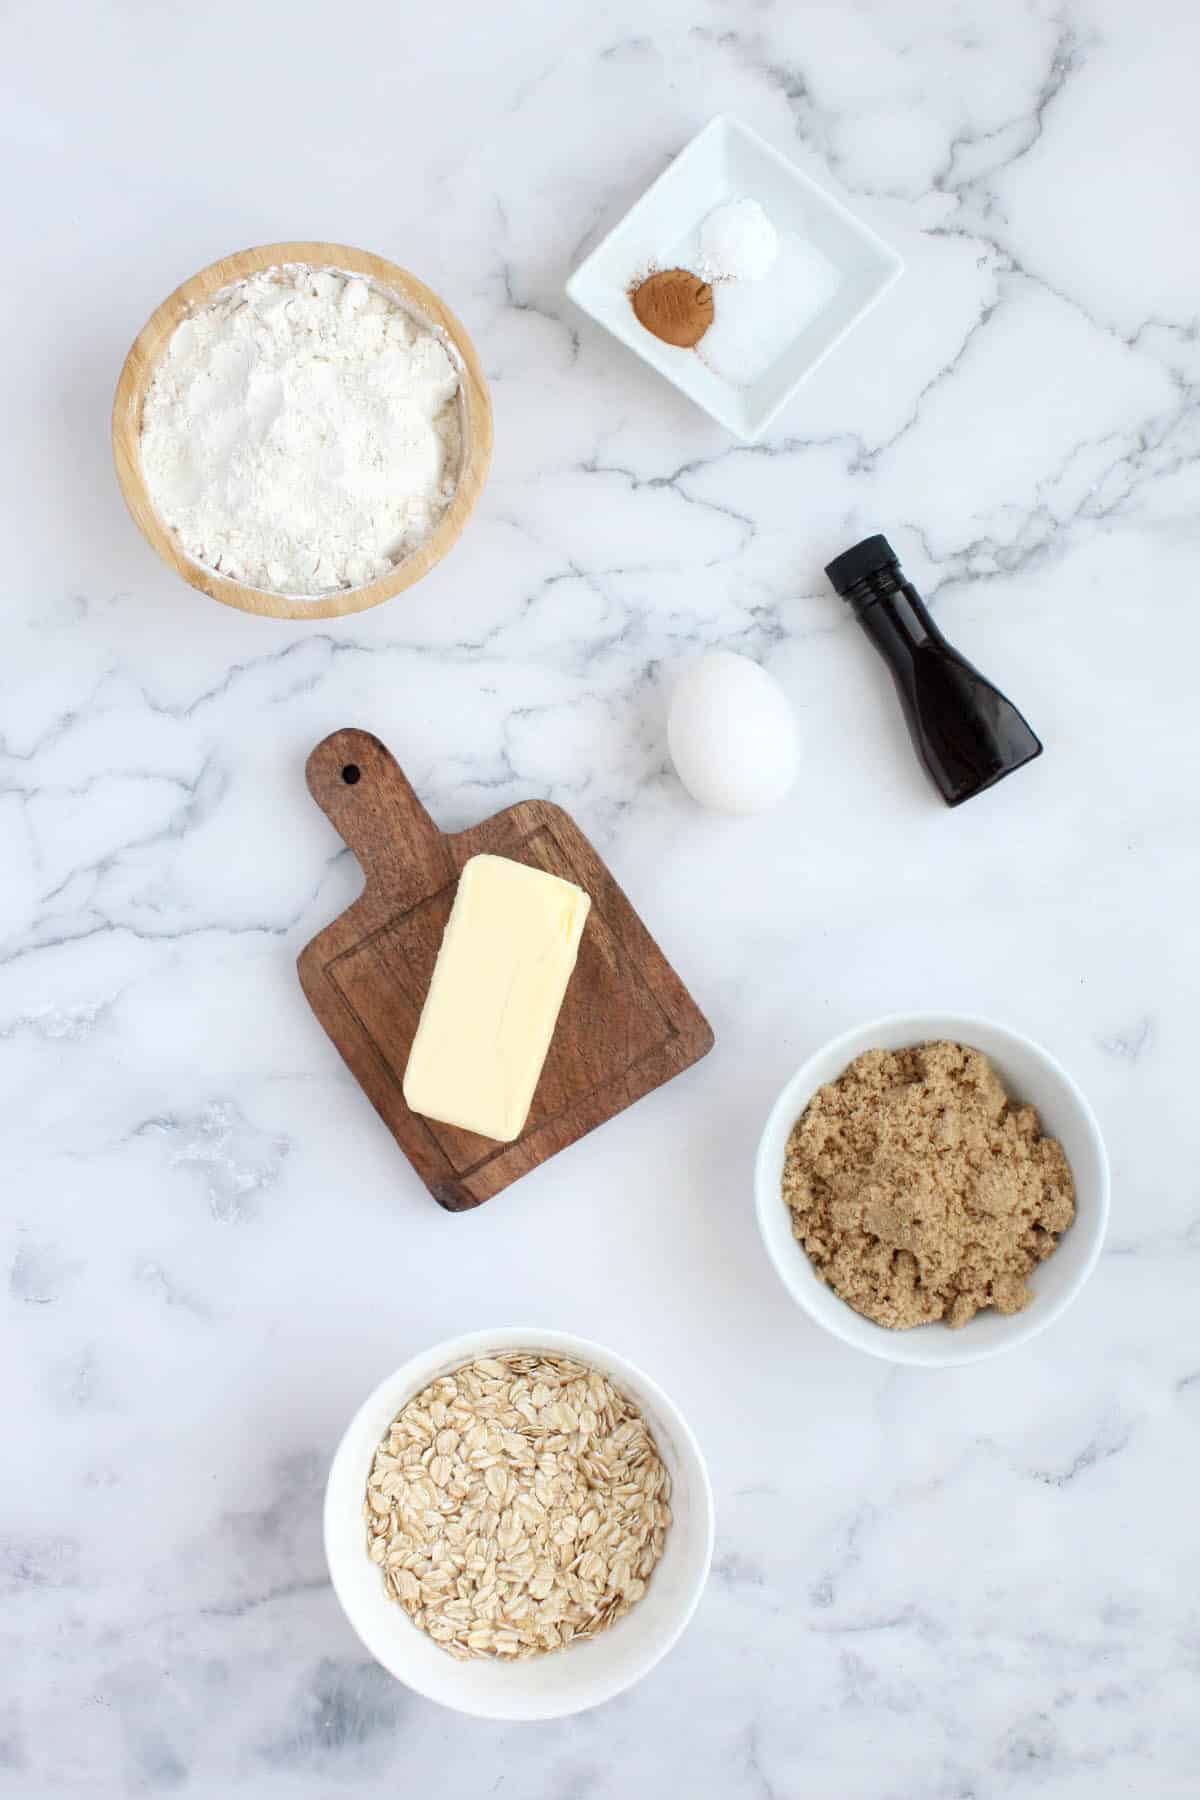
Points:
(627, 1024)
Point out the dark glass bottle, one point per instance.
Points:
(964, 730)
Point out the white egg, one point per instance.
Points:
(732, 734)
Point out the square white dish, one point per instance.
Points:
(842, 268)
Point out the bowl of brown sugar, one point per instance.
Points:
(932, 1188)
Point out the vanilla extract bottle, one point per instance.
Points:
(968, 735)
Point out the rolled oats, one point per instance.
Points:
(517, 1506)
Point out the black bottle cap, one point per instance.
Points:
(872, 554)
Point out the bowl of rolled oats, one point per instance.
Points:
(518, 1524)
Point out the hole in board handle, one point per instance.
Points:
(351, 773)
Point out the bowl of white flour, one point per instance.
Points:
(302, 430)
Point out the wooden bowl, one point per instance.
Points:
(474, 404)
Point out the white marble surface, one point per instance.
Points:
(972, 1584)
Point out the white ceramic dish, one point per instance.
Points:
(544, 1687)
(661, 231)
(1030, 1074)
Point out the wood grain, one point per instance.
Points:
(475, 409)
(627, 1023)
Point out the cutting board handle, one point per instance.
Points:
(359, 785)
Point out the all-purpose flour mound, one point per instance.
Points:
(301, 432)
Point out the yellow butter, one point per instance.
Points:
(507, 954)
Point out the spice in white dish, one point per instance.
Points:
(737, 242)
(301, 433)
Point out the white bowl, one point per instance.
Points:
(726, 161)
(1030, 1074)
(543, 1687)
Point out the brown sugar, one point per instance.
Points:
(921, 1191)
(675, 305)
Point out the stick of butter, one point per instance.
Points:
(507, 954)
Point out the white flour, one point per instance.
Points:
(301, 432)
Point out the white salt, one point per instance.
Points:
(756, 322)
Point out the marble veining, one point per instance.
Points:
(966, 1585)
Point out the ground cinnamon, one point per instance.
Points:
(675, 305)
